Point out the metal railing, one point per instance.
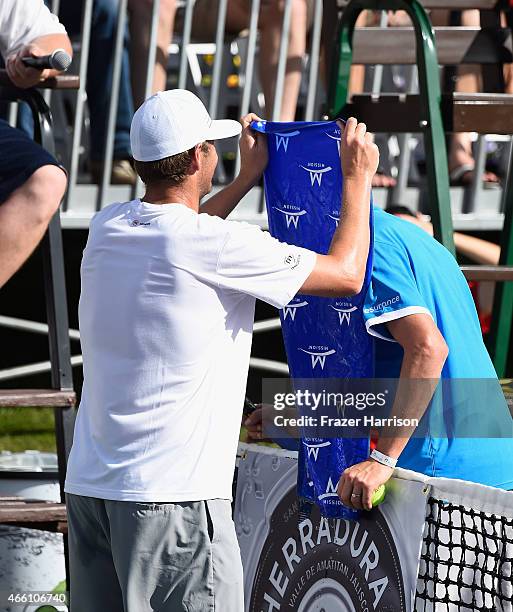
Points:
(42, 367)
(83, 197)
(474, 208)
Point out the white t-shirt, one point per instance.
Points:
(166, 318)
(21, 21)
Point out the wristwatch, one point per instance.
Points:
(383, 459)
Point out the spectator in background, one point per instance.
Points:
(99, 87)
(140, 25)
(31, 182)
(133, 73)
(270, 27)
(330, 21)
(468, 80)
(476, 250)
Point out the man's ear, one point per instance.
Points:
(195, 159)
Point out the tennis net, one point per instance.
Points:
(467, 550)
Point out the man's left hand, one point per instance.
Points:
(253, 151)
(358, 483)
(25, 76)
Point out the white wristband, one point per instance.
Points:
(383, 459)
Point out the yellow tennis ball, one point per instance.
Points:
(378, 496)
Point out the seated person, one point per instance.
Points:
(132, 83)
(270, 20)
(31, 181)
(476, 250)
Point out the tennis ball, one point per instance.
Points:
(378, 496)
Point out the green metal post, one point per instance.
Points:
(430, 99)
(503, 301)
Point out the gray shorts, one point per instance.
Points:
(141, 557)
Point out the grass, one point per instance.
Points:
(27, 429)
(33, 428)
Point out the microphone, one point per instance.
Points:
(58, 60)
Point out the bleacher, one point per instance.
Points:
(232, 78)
(228, 84)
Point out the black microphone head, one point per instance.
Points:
(60, 60)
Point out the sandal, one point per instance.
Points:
(463, 175)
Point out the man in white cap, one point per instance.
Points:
(166, 318)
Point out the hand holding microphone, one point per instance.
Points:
(58, 60)
(32, 64)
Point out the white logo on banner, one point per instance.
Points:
(282, 140)
(344, 314)
(291, 309)
(331, 491)
(291, 216)
(319, 357)
(335, 218)
(316, 171)
(336, 138)
(313, 449)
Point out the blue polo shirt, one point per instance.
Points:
(414, 274)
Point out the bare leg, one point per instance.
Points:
(356, 86)
(25, 215)
(357, 74)
(140, 23)
(270, 25)
(468, 81)
(271, 19)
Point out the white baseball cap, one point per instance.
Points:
(172, 122)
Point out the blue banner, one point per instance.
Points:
(324, 337)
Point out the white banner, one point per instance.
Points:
(316, 565)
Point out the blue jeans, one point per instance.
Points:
(99, 75)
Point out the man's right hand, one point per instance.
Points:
(342, 271)
(359, 155)
(253, 151)
(25, 76)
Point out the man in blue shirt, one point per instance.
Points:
(420, 309)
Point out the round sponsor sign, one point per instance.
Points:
(327, 565)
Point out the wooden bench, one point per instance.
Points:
(481, 113)
(490, 47)
(37, 398)
(455, 45)
(33, 514)
(488, 273)
(65, 81)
